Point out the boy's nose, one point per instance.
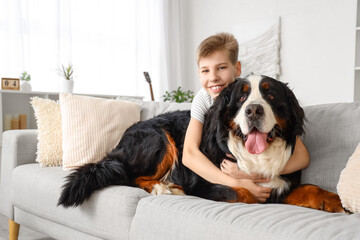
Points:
(213, 76)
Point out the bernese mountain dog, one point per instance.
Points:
(255, 119)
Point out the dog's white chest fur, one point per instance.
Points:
(268, 164)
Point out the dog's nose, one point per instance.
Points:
(254, 111)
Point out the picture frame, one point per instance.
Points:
(10, 83)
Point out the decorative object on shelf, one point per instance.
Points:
(25, 85)
(15, 123)
(7, 122)
(178, 96)
(10, 83)
(22, 121)
(66, 84)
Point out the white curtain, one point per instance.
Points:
(109, 42)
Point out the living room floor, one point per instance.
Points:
(25, 233)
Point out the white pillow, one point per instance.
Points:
(48, 120)
(92, 127)
(348, 186)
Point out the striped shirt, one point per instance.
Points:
(200, 105)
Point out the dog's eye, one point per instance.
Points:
(271, 97)
(242, 98)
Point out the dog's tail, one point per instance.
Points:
(91, 177)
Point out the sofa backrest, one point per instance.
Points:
(332, 133)
(152, 109)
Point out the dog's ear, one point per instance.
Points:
(297, 113)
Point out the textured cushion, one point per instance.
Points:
(48, 119)
(107, 214)
(186, 217)
(332, 134)
(349, 183)
(91, 127)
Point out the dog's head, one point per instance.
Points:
(257, 110)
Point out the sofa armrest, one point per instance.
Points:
(19, 147)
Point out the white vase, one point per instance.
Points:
(25, 86)
(66, 86)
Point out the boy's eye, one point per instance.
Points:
(222, 68)
(205, 71)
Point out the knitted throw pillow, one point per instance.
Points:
(92, 127)
(348, 186)
(48, 120)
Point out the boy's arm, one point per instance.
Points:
(194, 159)
(300, 158)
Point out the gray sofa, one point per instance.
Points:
(29, 193)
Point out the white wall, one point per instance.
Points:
(317, 41)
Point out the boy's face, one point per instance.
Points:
(216, 72)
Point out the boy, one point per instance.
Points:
(218, 67)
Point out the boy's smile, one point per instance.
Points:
(216, 72)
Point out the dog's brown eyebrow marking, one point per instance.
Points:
(246, 88)
(265, 85)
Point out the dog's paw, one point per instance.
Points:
(312, 196)
(167, 189)
(332, 203)
(175, 189)
(161, 189)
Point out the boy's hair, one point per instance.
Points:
(221, 41)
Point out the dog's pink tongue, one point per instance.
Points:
(256, 142)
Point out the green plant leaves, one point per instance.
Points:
(178, 96)
(25, 76)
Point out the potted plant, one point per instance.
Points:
(25, 82)
(178, 96)
(67, 83)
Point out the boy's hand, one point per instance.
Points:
(230, 168)
(260, 193)
(247, 181)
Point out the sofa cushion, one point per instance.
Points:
(349, 183)
(331, 136)
(92, 127)
(107, 215)
(48, 120)
(186, 217)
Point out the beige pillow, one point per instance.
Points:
(48, 119)
(91, 127)
(348, 186)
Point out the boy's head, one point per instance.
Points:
(219, 42)
(217, 58)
